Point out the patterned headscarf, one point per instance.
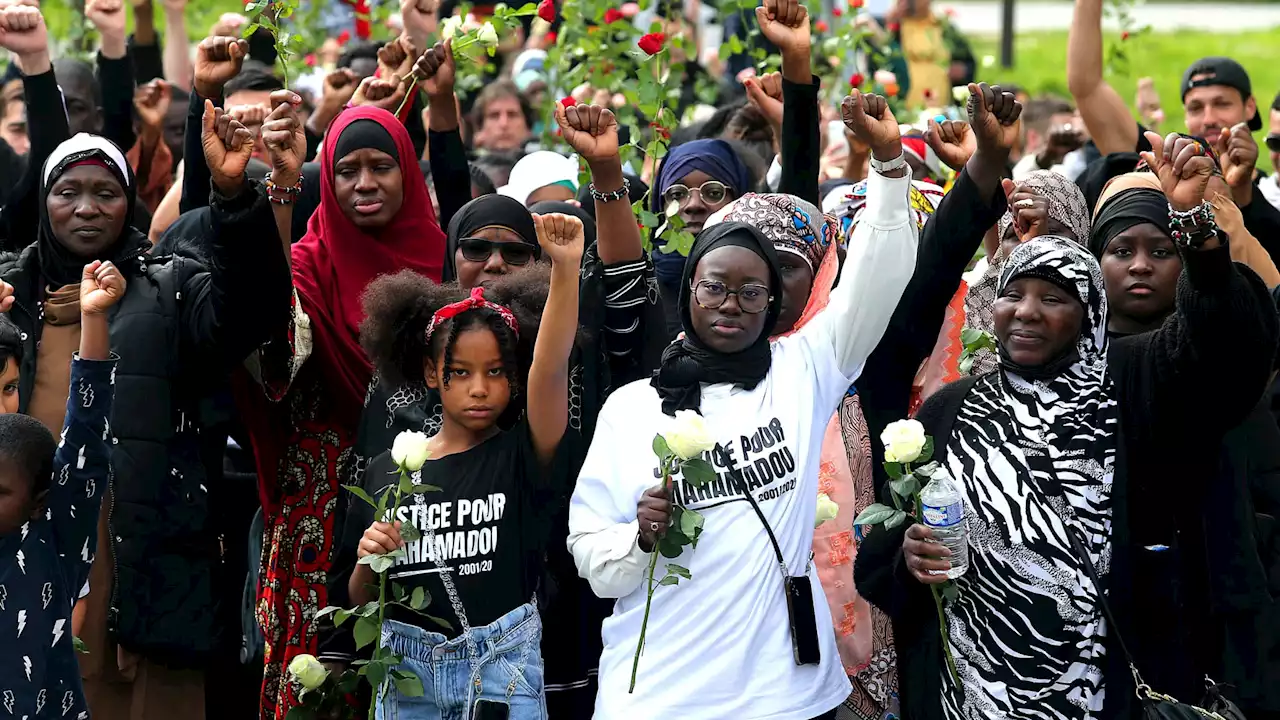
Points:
(1066, 203)
(925, 198)
(791, 224)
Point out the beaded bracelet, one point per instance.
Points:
(290, 193)
(1191, 228)
(606, 197)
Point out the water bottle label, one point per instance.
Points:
(943, 515)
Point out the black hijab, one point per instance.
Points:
(487, 211)
(554, 206)
(687, 362)
(58, 265)
(1135, 206)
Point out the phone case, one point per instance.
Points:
(804, 626)
(490, 710)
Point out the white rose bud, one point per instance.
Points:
(827, 509)
(903, 441)
(689, 437)
(487, 36)
(409, 451)
(308, 671)
(450, 27)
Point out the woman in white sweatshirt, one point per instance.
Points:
(721, 644)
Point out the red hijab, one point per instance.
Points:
(335, 260)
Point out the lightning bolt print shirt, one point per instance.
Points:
(45, 563)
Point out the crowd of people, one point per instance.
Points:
(224, 301)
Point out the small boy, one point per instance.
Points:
(50, 493)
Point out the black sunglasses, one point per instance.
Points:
(513, 253)
(1273, 142)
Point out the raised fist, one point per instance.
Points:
(785, 23)
(952, 142)
(765, 93)
(385, 94)
(23, 32)
(562, 238)
(396, 57)
(283, 136)
(151, 102)
(101, 286)
(228, 145)
(1238, 155)
(436, 71)
(871, 122)
(592, 131)
(218, 59)
(1183, 168)
(993, 116)
(107, 16)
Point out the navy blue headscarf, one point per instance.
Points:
(714, 157)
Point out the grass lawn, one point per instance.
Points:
(1040, 61)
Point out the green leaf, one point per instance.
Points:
(327, 611)
(249, 31)
(690, 522)
(340, 617)
(893, 469)
(360, 493)
(679, 570)
(423, 489)
(950, 591)
(405, 486)
(660, 447)
(79, 645)
(698, 472)
(971, 336)
(926, 453)
(657, 149)
(376, 672)
(670, 547)
(875, 514)
(419, 598)
(439, 621)
(669, 580)
(369, 609)
(895, 520)
(410, 533)
(905, 487)
(365, 632)
(649, 220)
(408, 684)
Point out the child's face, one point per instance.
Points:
(17, 504)
(9, 387)
(478, 390)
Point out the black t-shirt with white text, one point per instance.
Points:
(489, 521)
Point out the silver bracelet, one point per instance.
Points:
(606, 197)
(1191, 228)
(884, 167)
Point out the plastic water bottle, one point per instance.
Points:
(943, 507)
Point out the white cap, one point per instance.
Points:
(538, 170)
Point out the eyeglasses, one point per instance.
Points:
(752, 299)
(513, 253)
(1273, 142)
(712, 192)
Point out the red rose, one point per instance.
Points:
(928, 93)
(551, 38)
(344, 37)
(1124, 35)
(613, 15)
(568, 102)
(893, 27)
(820, 26)
(659, 130)
(310, 60)
(855, 4)
(837, 11)
(547, 10)
(856, 80)
(652, 43)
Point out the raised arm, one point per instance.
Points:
(177, 55)
(82, 464)
(115, 70)
(447, 154)
(1217, 348)
(218, 59)
(561, 238)
(1105, 114)
(794, 118)
(286, 144)
(882, 251)
(144, 46)
(592, 131)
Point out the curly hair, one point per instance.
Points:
(398, 310)
(30, 447)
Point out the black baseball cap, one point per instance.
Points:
(1221, 71)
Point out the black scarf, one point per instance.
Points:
(487, 211)
(59, 266)
(1136, 206)
(687, 362)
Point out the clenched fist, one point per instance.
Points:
(592, 131)
(872, 123)
(101, 286)
(218, 59)
(562, 238)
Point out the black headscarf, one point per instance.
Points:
(554, 206)
(687, 362)
(1128, 208)
(58, 265)
(365, 133)
(487, 211)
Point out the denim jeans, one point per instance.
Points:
(509, 671)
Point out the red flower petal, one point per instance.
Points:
(893, 27)
(613, 15)
(568, 102)
(1124, 35)
(344, 37)
(551, 38)
(652, 43)
(837, 11)
(820, 26)
(310, 60)
(547, 10)
(856, 80)
(855, 4)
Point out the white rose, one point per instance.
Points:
(903, 441)
(689, 437)
(827, 509)
(487, 36)
(409, 451)
(308, 671)
(450, 27)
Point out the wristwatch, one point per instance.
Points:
(883, 167)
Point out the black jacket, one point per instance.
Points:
(182, 324)
(1176, 403)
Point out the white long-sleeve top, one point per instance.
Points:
(719, 645)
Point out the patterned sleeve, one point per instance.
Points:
(629, 290)
(280, 358)
(82, 466)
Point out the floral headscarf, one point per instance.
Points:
(793, 225)
(925, 197)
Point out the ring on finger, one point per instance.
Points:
(1025, 203)
(654, 526)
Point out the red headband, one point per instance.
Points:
(476, 300)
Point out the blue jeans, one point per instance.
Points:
(510, 669)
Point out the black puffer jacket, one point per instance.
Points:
(183, 324)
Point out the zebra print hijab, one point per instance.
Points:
(1021, 446)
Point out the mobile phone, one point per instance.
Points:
(804, 625)
(490, 710)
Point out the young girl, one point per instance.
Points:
(483, 533)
